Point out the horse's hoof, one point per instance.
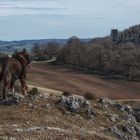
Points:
(26, 87)
(25, 94)
(4, 97)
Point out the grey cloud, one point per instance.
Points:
(30, 8)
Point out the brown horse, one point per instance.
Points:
(15, 68)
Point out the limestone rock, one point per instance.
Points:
(13, 98)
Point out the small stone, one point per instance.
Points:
(129, 118)
(136, 113)
(30, 104)
(92, 115)
(137, 129)
(40, 129)
(113, 117)
(119, 106)
(129, 129)
(117, 132)
(128, 109)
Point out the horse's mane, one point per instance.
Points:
(22, 56)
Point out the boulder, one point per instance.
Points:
(77, 104)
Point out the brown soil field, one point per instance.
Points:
(67, 79)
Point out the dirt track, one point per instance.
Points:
(65, 79)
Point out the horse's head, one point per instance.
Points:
(24, 55)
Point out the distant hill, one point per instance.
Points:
(10, 46)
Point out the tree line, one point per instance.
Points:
(103, 56)
(98, 55)
(45, 51)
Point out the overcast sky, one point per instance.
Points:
(41, 19)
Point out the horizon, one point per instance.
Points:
(60, 19)
(43, 39)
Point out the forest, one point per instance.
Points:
(100, 55)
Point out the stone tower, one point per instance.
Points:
(114, 35)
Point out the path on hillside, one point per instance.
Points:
(66, 79)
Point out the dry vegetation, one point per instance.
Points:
(41, 119)
(103, 57)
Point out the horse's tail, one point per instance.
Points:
(3, 72)
(1, 77)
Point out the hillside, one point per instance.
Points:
(10, 46)
(43, 114)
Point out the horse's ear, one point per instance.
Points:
(24, 50)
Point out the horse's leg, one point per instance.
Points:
(24, 77)
(4, 92)
(26, 87)
(6, 86)
(12, 86)
(23, 86)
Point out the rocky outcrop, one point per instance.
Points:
(73, 103)
(109, 117)
(106, 102)
(13, 98)
(136, 113)
(114, 130)
(126, 132)
(77, 104)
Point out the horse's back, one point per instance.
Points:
(11, 66)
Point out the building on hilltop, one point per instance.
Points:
(114, 35)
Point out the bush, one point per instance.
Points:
(90, 96)
(103, 57)
(34, 91)
(66, 93)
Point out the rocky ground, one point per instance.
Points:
(43, 115)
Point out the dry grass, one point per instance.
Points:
(41, 119)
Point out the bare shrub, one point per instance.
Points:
(66, 93)
(90, 96)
